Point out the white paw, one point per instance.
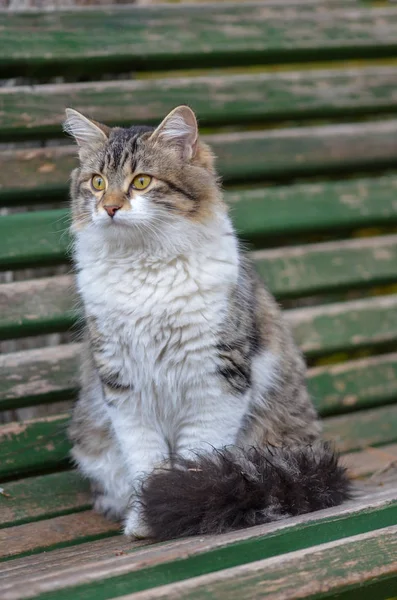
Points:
(134, 525)
(110, 507)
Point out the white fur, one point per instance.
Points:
(159, 303)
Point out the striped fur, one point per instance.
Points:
(185, 350)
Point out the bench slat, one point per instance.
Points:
(41, 238)
(29, 112)
(54, 43)
(330, 568)
(117, 566)
(50, 374)
(45, 496)
(34, 174)
(46, 305)
(58, 531)
(42, 444)
(316, 268)
(56, 494)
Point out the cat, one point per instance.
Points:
(193, 414)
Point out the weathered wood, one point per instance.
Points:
(309, 573)
(59, 531)
(88, 570)
(25, 306)
(42, 238)
(48, 304)
(33, 111)
(46, 496)
(316, 268)
(159, 36)
(51, 374)
(31, 175)
(56, 494)
(39, 376)
(38, 238)
(345, 325)
(354, 384)
(364, 428)
(41, 444)
(33, 445)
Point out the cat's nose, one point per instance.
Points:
(111, 210)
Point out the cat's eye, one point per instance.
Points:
(98, 183)
(141, 182)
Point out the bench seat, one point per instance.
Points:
(298, 100)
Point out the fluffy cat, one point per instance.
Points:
(193, 415)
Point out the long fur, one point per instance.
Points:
(231, 489)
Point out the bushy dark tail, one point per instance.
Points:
(231, 488)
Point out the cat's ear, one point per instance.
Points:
(179, 128)
(87, 133)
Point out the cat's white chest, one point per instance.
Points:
(159, 321)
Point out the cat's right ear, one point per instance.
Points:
(86, 132)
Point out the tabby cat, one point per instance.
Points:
(193, 415)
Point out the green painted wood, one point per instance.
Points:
(34, 238)
(47, 305)
(37, 306)
(33, 377)
(178, 36)
(27, 111)
(34, 445)
(41, 238)
(39, 376)
(45, 496)
(354, 384)
(358, 430)
(333, 568)
(316, 268)
(134, 576)
(41, 444)
(56, 532)
(345, 325)
(34, 174)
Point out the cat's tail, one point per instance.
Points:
(230, 488)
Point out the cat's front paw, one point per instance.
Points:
(112, 508)
(135, 526)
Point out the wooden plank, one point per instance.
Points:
(42, 238)
(39, 376)
(354, 384)
(56, 494)
(345, 325)
(45, 496)
(364, 428)
(34, 377)
(31, 175)
(88, 570)
(45, 305)
(33, 111)
(56, 532)
(316, 268)
(38, 238)
(57, 43)
(309, 573)
(41, 444)
(36, 445)
(37, 306)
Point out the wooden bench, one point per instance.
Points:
(308, 154)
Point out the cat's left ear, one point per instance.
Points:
(179, 128)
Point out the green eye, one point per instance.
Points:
(141, 182)
(98, 183)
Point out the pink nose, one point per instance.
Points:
(111, 210)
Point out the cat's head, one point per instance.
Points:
(142, 181)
